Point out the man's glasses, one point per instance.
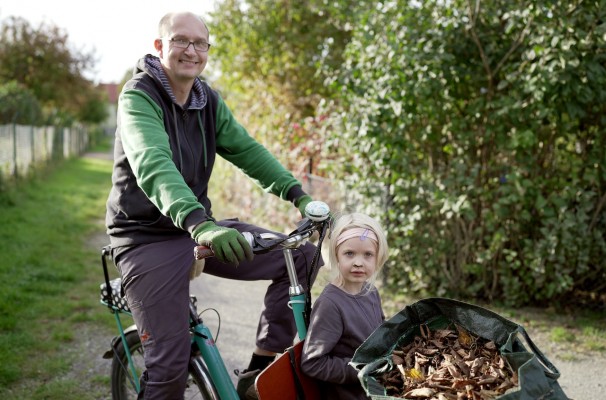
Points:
(199, 45)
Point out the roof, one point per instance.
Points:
(112, 91)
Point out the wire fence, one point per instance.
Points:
(22, 147)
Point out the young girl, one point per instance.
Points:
(349, 308)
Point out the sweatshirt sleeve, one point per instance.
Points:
(325, 330)
(148, 151)
(239, 148)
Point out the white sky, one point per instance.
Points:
(119, 31)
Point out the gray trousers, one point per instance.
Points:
(156, 283)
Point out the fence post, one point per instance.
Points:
(15, 149)
(33, 144)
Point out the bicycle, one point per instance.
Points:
(208, 376)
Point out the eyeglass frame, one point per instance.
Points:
(173, 42)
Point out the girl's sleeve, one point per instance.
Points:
(325, 331)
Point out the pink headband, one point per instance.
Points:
(362, 233)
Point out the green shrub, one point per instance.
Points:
(477, 135)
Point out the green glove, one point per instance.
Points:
(228, 245)
(302, 202)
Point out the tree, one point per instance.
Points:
(18, 105)
(41, 60)
(268, 55)
(93, 107)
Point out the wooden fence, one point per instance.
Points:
(22, 147)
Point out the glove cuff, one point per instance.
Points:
(202, 228)
(301, 203)
(302, 200)
(294, 193)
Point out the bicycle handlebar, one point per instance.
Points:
(317, 215)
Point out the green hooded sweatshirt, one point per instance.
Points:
(164, 155)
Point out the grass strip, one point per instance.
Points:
(49, 276)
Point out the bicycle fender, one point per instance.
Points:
(109, 354)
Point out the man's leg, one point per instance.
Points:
(156, 282)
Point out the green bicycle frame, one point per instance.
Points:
(210, 353)
(212, 358)
(297, 304)
(129, 357)
(297, 294)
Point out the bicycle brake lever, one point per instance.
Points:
(260, 245)
(304, 225)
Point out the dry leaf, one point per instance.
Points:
(448, 364)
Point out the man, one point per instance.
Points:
(171, 126)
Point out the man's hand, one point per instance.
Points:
(228, 245)
(302, 202)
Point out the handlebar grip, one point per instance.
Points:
(201, 252)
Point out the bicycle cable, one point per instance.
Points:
(216, 337)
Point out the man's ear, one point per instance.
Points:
(158, 46)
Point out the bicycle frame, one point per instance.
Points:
(296, 292)
(212, 358)
(201, 335)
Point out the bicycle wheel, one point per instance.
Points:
(201, 379)
(199, 384)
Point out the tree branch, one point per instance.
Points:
(596, 214)
(515, 46)
(476, 40)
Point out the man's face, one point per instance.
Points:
(183, 64)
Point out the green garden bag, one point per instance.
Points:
(537, 376)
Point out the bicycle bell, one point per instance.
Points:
(317, 211)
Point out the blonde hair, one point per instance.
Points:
(351, 221)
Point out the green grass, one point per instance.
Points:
(560, 334)
(50, 277)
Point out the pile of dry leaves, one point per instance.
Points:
(448, 364)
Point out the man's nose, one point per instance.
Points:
(190, 47)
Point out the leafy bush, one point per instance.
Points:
(478, 127)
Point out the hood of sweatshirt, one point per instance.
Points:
(152, 66)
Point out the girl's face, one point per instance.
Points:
(357, 261)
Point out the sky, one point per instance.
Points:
(119, 31)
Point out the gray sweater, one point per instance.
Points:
(340, 322)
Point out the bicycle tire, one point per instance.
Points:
(199, 373)
(199, 383)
